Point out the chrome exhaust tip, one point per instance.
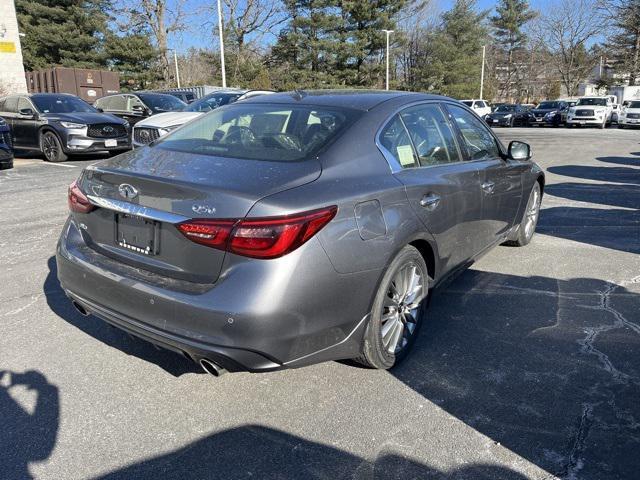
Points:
(212, 368)
(83, 311)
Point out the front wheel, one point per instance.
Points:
(52, 148)
(527, 227)
(397, 312)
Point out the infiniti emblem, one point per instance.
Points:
(107, 129)
(203, 209)
(128, 191)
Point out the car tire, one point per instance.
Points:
(620, 126)
(51, 147)
(527, 227)
(397, 312)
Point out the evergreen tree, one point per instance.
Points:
(62, 32)
(624, 42)
(454, 68)
(134, 58)
(511, 41)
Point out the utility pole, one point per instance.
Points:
(175, 61)
(388, 32)
(484, 48)
(224, 73)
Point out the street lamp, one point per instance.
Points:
(224, 74)
(484, 48)
(388, 32)
(175, 62)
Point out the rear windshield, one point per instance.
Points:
(61, 104)
(468, 103)
(211, 102)
(634, 105)
(261, 132)
(506, 108)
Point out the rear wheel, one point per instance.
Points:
(397, 312)
(52, 147)
(529, 221)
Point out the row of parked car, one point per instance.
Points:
(599, 111)
(59, 125)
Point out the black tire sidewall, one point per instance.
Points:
(374, 351)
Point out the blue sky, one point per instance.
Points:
(203, 21)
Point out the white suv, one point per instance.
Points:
(481, 107)
(630, 115)
(591, 111)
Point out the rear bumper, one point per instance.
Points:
(259, 316)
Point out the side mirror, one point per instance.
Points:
(519, 150)
(27, 112)
(100, 110)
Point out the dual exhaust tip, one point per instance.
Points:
(208, 366)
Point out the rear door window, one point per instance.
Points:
(396, 143)
(24, 103)
(11, 105)
(477, 138)
(431, 134)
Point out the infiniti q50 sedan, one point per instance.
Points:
(294, 228)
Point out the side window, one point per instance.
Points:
(115, 103)
(477, 138)
(11, 105)
(134, 102)
(24, 103)
(431, 135)
(396, 142)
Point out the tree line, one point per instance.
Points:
(287, 44)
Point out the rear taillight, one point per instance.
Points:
(78, 201)
(259, 238)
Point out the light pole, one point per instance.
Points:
(175, 62)
(224, 74)
(388, 32)
(484, 48)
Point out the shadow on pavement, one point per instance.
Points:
(625, 196)
(548, 368)
(259, 452)
(634, 162)
(169, 361)
(605, 174)
(29, 431)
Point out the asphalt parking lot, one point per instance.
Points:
(528, 366)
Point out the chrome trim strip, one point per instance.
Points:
(137, 210)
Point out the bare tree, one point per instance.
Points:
(161, 18)
(565, 31)
(252, 19)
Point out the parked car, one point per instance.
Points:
(550, 112)
(134, 107)
(61, 124)
(481, 107)
(6, 149)
(495, 105)
(152, 128)
(630, 115)
(509, 115)
(186, 96)
(294, 228)
(591, 111)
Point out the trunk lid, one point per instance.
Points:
(169, 186)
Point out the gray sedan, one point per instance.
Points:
(294, 228)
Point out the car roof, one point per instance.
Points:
(36, 95)
(355, 99)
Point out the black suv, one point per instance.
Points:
(550, 112)
(60, 124)
(6, 151)
(133, 107)
(509, 115)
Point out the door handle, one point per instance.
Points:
(488, 187)
(430, 202)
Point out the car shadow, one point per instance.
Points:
(255, 451)
(634, 162)
(29, 426)
(605, 174)
(57, 300)
(625, 196)
(548, 368)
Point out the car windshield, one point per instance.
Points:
(548, 105)
(468, 103)
(213, 101)
(159, 102)
(634, 105)
(602, 102)
(261, 132)
(506, 108)
(61, 104)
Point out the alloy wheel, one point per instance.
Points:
(50, 147)
(533, 210)
(401, 308)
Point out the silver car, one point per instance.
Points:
(294, 228)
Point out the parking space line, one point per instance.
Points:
(59, 165)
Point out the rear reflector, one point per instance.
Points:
(258, 238)
(78, 201)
